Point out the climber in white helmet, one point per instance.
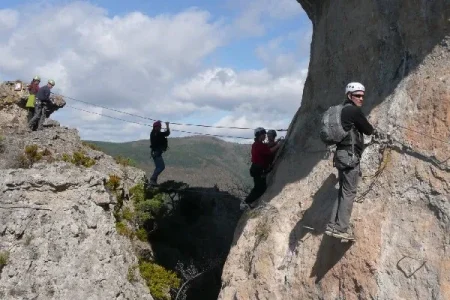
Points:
(261, 159)
(347, 159)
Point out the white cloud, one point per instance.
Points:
(8, 19)
(84, 115)
(252, 99)
(253, 120)
(276, 88)
(280, 61)
(78, 43)
(151, 66)
(227, 90)
(250, 20)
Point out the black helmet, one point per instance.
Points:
(259, 131)
(272, 132)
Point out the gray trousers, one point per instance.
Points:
(342, 207)
(38, 119)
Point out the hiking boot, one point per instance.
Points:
(244, 206)
(253, 205)
(153, 182)
(329, 230)
(343, 235)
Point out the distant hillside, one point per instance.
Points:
(198, 161)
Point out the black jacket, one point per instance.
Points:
(158, 140)
(352, 118)
(44, 94)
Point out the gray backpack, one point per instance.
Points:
(331, 130)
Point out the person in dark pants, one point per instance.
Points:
(42, 102)
(261, 159)
(347, 160)
(158, 144)
(33, 88)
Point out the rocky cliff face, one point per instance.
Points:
(57, 231)
(61, 242)
(401, 51)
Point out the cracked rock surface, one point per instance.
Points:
(57, 224)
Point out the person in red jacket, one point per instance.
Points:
(261, 159)
(33, 88)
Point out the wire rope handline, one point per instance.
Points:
(202, 125)
(151, 119)
(148, 125)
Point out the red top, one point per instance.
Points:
(34, 87)
(261, 154)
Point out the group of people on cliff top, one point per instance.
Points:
(343, 125)
(38, 102)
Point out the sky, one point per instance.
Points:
(221, 63)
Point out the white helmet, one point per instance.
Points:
(259, 131)
(353, 87)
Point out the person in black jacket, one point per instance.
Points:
(347, 158)
(158, 144)
(42, 103)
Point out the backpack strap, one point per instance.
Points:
(352, 130)
(352, 135)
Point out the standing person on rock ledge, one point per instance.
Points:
(42, 103)
(261, 159)
(33, 88)
(158, 144)
(347, 160)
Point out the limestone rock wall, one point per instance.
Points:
(57, 228)
(400, 50)
(61, 241)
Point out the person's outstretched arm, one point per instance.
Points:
(167, 132)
